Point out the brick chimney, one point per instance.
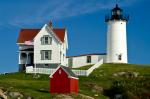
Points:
(51, 24)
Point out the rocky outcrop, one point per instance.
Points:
(95, 88)
(128, 74)
(15, 95)
(2, 95)
(63, 96)
(85, 96)
(5, 94)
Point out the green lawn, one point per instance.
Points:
(38, 88)
(26, 84)
(101, 78)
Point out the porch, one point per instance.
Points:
(26, 58)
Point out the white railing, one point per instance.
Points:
(77, 72)
(90, 70)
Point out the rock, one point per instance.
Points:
(2, 95)
(15, 95)
(121, 73)
(98, 88)
(128, 74)
(115, 75)
(95, 88)
(85, 96)
(29, 97)
(136, 74)
(63, 96)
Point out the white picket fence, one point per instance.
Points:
(40, 70)
(77, 72)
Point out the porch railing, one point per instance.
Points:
(40, 70)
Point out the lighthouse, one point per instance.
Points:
(116, 36)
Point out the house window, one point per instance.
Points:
(46, 40)
(46, 65)
(88, 59)
(119, 57)
(46, 54)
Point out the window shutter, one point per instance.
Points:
(42, 55)
(50, 54)
(50, 40)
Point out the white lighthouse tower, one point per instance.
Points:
(116, 36)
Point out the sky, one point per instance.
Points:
(84, 21)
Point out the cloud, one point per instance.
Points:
(59, 9)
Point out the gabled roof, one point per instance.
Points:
(67, 70)
(29, 34)
(60, 33)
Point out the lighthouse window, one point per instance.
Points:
(118, 12)
(119, 57)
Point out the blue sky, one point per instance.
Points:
(84, 20)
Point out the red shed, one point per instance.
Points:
(63, 80)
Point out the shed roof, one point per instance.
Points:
(67, 70)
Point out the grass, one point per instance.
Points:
(102, 77)
(38, 88)
(25, 83)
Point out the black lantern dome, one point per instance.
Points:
(117, 14)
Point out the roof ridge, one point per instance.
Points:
(87, 54)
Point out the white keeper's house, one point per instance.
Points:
(42, 48)
(47, 47)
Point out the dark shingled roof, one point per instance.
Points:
(87, 55)
(69, 72)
